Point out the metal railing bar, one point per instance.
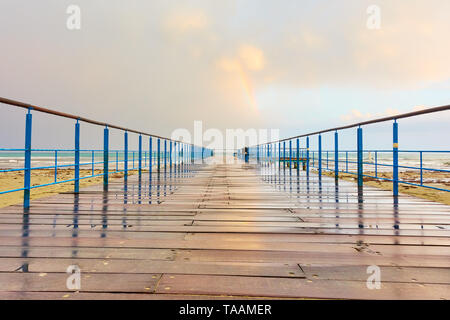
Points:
(74, 117)
(354, 125)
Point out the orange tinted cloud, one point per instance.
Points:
(251, 57)
(183, 21)
(356, 115)
(248, 58)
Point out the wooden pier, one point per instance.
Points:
(222, 231)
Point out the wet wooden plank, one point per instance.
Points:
(93, 282)
(51, 253)
(321, 238)
(27, 295)
(140, 266)
(297, 288)
(388, 274)
(315, 257)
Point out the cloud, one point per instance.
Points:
(358, 116)
(180, 22)
(251, 57)
(248, 59)
(305, 38)
(159, 65)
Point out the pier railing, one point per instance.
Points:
(382, 165)
(163, 155)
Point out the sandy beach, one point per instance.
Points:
(440, 180)
(14, 180)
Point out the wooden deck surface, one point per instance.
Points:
(223, 231)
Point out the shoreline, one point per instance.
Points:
(14, 180)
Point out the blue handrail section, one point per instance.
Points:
(94, 162)
(409, 167)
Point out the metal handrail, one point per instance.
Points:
(396, 117)
(79, 118)
(266, 152)
(192, 149)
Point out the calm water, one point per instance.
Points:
(15, 159)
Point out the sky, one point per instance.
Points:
(156, 66)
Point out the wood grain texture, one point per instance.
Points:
(226, 230)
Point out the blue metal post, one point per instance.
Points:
(56, 166)
(395, 158)
(257, 154)
(360, 156)
(170, 156)
(140, 156)
(165, 155)
(159, 155)
(175, 155)
(284, 154)
(320, 157)
(125, 155)
(290, 155)
(77, 157)
(336, 155)
(307, 156)
(298, 155)
(105, 158)
(150, 157)
(27, 173)
(279, 155)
